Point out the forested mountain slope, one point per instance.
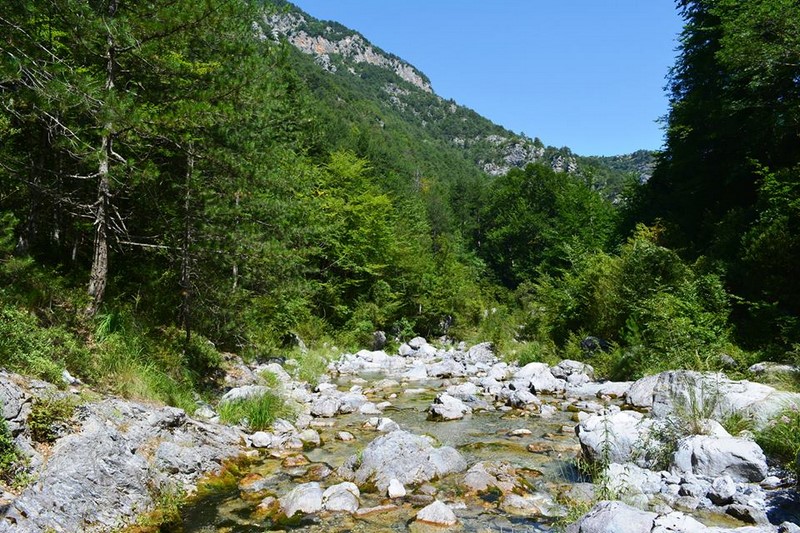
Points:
(399, 92)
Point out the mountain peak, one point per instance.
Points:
(324, 38)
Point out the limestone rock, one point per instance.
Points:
(342, 497)
(614, 517)
(438, 514)
(306, 498)
(400, 455)
(613, 437)
(396, 489)
(741, 459)
(446, 407)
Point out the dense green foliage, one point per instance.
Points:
(726, 185)
(658, 311)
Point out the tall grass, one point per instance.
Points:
(780, 439)
(256, 412)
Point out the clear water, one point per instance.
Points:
(481, 436)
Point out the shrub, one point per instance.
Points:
(8, 452)
(28, 348)
(658, 311)
(257, 412)
(780, 439)
(48, 417)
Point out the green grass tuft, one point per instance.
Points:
(257, 412)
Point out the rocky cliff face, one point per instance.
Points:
(323, 40)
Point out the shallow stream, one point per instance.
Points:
(482, 436)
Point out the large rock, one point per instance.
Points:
(105, 473)
(408, 458)
(15, 401)
(741, 459)
(614, 517)
(614, 437)
(446, 407)
(539, 378)
(343, 497)
(466, 392)
(710, 395)
(305, 498)
(243, 393)
(326, 406)
(629, 479)
(482, 353)
(448, 368)
(573, 372)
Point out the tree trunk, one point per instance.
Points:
(98, 279)
(186, 261)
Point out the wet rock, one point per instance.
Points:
(295, 460)
(318, 472)
(438, 514)
(343, 497)
(614, 517)
(446, 407)
(738, 458)
(253, 484)
(269, 506)
(305, 498)
(345, 436)
(310, 437)
(520, 432)
(365, 511)
(491, 474)
(408, 458)
(536, 504)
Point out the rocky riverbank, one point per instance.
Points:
(428, 437)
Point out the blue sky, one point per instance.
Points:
(588, 74)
